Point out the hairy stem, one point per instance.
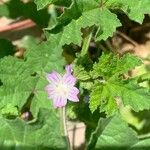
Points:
(63, 114)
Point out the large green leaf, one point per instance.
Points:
(111, 86)
(82, 14)
(114, 133)
(44, 133)
(22, 89)
(138, 98)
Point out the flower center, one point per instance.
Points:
(62, 89)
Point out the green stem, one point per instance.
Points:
(63, 114)
(86, 43)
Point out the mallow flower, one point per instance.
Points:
(62, 88)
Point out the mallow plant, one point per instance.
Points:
(62, 78)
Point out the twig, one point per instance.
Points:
(18, 25)
(127, 38)
(139, 28)
(2, 2)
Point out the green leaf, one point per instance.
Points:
(134, 13)
(138, 98)
(113, 65)
(44, 133)
(131, 94)
(101, 97)
(23, 84)
(98, 94)
(77, 14)
(45, 56)
(109, 106)
(109, 86)
(141, 145)
(115, 134)
(86, 85)
(80, 73)
(9, 110)
(40, 99)
(144, 77)
(17, 84)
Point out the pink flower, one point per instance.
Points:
(62, 88)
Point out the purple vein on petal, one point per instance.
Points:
(72, 97)
(74, 90)
(59, 102)
(69, 79)
(54, 77)
(68, 69)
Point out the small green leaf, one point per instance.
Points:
(9, 110)
(86, 85)
(97, 95)
(80, 73)
(144, 77)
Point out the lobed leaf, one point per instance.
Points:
(82, 14)
(114, 133)
(22, 89)
(110, 65)
(110, 86)
(44, 133)
(134, 13)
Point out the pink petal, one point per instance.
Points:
(68, 69)
(54, 77)
(59, 102)
(73, 94)
(69, 79)
(74, 90)
(50, 90)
